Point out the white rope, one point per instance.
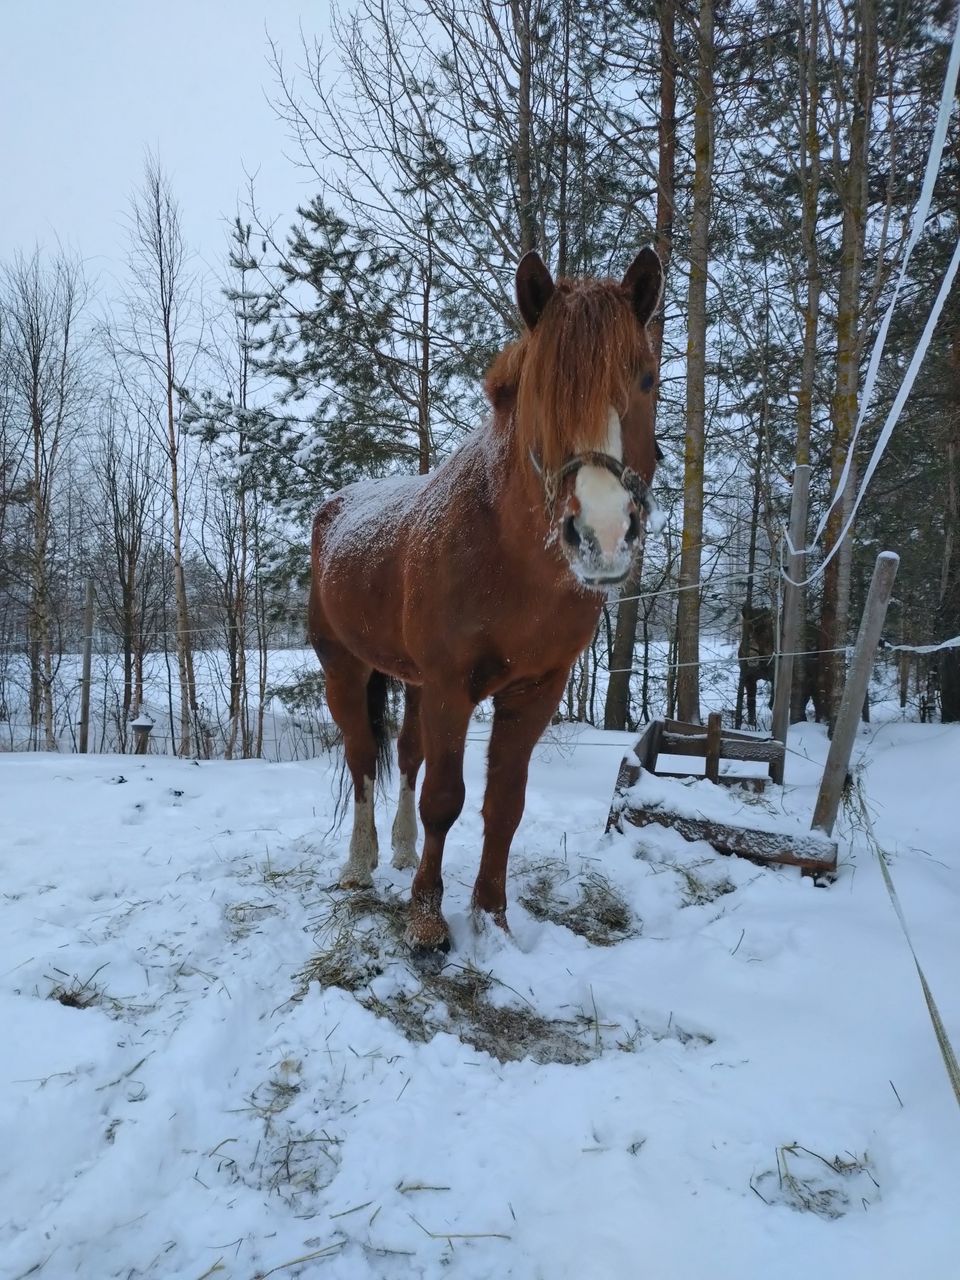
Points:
(888, 426)
(952, 643)
(919, 219)
(943, 1040)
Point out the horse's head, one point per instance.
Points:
(585, 409)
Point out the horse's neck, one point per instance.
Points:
(515, 481)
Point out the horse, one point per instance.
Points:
(486, 578)
(755, 656)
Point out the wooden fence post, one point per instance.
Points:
(711, 769)
(841, 745)
(87, 665)
(790, 628)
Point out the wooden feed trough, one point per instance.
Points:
(814, 852)
(710, 743)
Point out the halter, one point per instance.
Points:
(631, 480)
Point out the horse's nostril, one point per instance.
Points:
(571, 534)
(633, 528)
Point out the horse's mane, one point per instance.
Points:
(563, 376)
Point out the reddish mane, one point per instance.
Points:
(563, 376)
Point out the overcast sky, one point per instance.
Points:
(86, 86)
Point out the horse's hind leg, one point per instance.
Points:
(409, 758)
(752, 701)
(738, 715)
(347, 682)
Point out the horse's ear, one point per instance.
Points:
(534, 287)
(644, 279)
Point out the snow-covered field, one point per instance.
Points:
(710, 1069)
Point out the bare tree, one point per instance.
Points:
(157, 343)
(128, 486)
(45, 355)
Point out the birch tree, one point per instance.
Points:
(158, 343)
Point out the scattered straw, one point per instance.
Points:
(598, 913)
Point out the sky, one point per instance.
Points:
(88, 86)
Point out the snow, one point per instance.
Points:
(756, 1089)
(377, 512)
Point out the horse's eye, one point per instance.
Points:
(646, 382)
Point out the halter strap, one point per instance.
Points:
(631, 480)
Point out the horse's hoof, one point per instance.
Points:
(404, 860)
(482, 918)
(419, 952)
(427, 936)
(354, 878)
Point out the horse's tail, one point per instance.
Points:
(379, 688)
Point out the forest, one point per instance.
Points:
(163, 448)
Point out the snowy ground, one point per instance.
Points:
(743, 1083)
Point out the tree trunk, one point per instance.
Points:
(617, 701)
(688, 606)
(520, 13)
(808, 32)
(853, 194)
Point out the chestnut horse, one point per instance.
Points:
(485, 579)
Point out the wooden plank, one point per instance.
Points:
(628, 774)
(746, 735)
(753, 782)
(684, 727)
(762, 750)
(646, 743)
(682, 744)
(812, 852)
(654, 748)
(700, 731)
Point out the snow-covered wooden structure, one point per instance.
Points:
(813, 851)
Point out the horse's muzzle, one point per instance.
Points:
(591, 563)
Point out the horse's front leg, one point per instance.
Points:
(520, 716)
(444, 716)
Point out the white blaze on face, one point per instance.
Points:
(604, 503)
